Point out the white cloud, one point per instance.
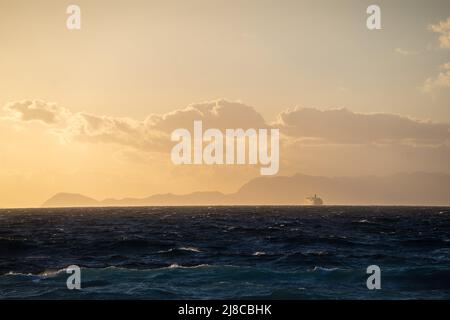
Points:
(442, 80)
(404, 52)
(443, 29)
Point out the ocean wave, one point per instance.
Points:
(185, 253)
(54, 273)
(259, 253)
(14, 274)
(177, 266)
(147, 270)
(180, 250)
(42, 275)
(323, 269)
(190, 249)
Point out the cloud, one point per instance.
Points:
(90, 128)
(317, 141)
(151, 134)
(442, 28)
(344, 126)
(309, 125)
(219, 114)
(87, 127)
(37, 110)
(445, 66)
(442, 80)
(404, 52)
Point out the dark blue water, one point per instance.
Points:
(226, 252)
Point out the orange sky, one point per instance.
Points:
(90, 111)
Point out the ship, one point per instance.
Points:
(314, 201)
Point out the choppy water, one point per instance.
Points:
(226, 252)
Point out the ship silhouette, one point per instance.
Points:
(314, 201)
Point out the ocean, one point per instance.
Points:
(225, 252)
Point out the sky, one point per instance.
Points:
(90, 110)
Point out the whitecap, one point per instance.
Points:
(12, 273)
(323, 269)
(191, 249)
(177, 266)
(259, 253)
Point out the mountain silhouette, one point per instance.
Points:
(418, 188)
(399, 189)
(70, 200)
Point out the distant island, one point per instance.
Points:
(417, 188)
